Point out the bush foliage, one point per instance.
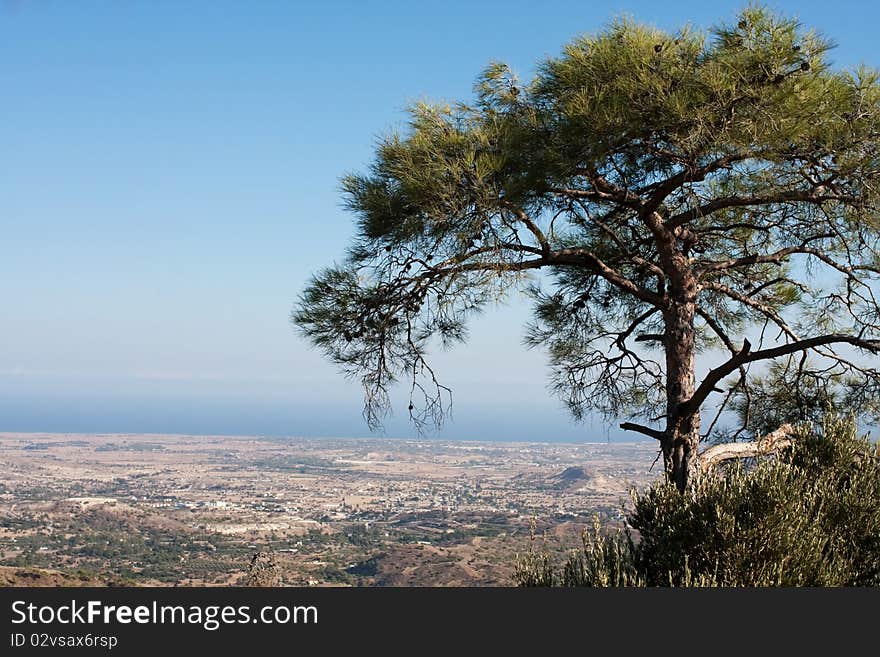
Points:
(807, 517)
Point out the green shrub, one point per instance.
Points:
(809, 517)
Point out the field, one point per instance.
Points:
(192, 510)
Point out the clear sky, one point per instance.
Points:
(169, 180)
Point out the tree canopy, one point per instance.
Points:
(681, 192)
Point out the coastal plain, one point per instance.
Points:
(193, 510)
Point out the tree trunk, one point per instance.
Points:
(682, 435)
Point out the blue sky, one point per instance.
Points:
(169, 181)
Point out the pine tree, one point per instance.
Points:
(679, 191)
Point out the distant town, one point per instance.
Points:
(193, 510)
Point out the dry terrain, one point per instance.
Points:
(191, 510)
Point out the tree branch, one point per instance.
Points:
(648, 431)
(577, 257)
(774, 258)
(603, 190)
(528, 223)
(769, 444)
(659, 191)
(796, 196)
(764, 309)
(741, 358)
(621, 337)
(581, 257)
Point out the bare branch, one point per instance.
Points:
(716, 375)
(530, 224)
(769, 444)
(648, 431)
(764, 309)
(772, 258)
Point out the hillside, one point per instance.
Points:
(16, 576)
